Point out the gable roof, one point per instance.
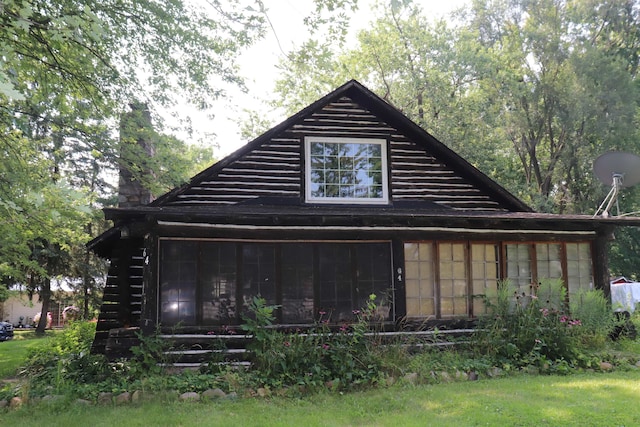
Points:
(385, 113)
(511, 213)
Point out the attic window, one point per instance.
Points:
(346, 170)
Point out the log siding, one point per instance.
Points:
(118, 288)
(274, 169)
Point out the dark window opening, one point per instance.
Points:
(212, 283)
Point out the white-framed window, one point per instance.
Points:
(346, 170)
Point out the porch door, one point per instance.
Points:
(348, 273)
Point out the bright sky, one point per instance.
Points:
(258, 65)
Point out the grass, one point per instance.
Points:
(586, 399)
(13, 353)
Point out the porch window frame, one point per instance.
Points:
(352, 245)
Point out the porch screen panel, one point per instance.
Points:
(453, 279)
(335, 281)
(579, 267)
(373, 277)
(420, 279)
(297, 283)
(484, 274)
(178, 281)
(519, 265)
(258, 272)
(218, 282)
(548, 257)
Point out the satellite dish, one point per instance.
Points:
(619, 170)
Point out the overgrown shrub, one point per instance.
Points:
(317, 357)
(63, 360)
(528, 328)
(150, 357)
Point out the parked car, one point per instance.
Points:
(6, 331)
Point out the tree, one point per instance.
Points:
(565, 97)
(68, 69)
(529, 91)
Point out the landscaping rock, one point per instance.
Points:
(391, 381)
(52, 398)
(263, 392)
(494, 372)
(15, 402)
(411, 378)
(105, 398)
(137, 396)
(472, 376)
(532, 370)
(460, 375)
(214, 393)
(83, 402)
(4, 403)
(123, 398)
(190, 396)
(445, 377)
(606, 366)
(638, 364)
(232, 395)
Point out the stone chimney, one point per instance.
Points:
(136, 151)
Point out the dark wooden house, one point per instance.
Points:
(344, 199)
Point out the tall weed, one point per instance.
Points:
(595, 314)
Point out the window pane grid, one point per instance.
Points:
(549, 261)
(218, 283)
(579, 267)
(297, 283)
(484, 274)
(178, 283)
(519, 265)
(453, 279)
(346, 169)
(420, 279)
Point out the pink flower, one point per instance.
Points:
(325, 346)
(356, 312)
(538, 341)
(322, 313)
(287, 344)
(343, 328)
(575, 322)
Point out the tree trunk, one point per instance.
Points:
(45, 295)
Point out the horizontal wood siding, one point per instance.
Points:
(111, 312)
(418, 176)
(275, 168)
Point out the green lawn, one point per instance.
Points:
(587, 399)
(14, 352)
